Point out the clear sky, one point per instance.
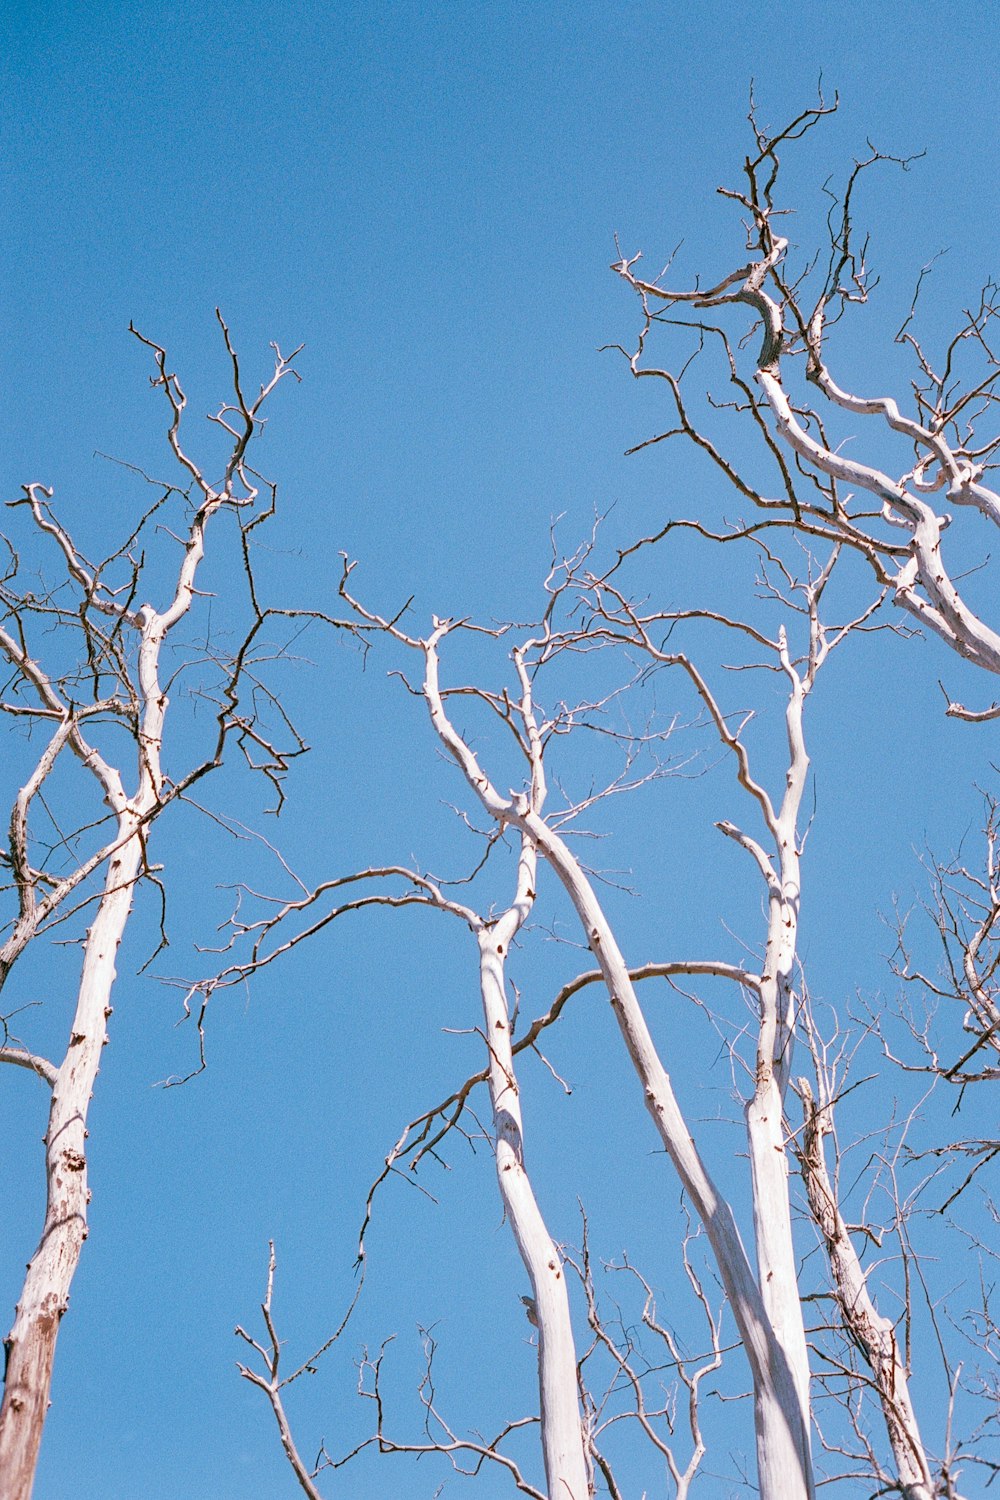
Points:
(426, 196)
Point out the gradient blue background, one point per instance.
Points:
(427, 196)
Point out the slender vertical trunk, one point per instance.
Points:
(776, 1267)
(873, 1334)
(777, 1270)
(784, 1461)
(566, 1472)
(45, 1295)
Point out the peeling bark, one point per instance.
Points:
(120, 668)
(873, 1334)
(31, 1344)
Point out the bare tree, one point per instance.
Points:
(848, 1376)
(790, 397)
(85, 684)
(589, 613)
(790, 401)
(797, 1278)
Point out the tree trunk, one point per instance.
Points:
(562, 1433)
(777, 1270)
(873, 1334)
(784, 1460)
(776, 1266)
(45, 1295)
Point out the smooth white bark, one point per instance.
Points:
(945, 459)
(562, 1432)
(777, 1266)
(783, 1449)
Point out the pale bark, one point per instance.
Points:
(777, 1266)
(939, 606)
(873, 1334)
(767, 1137)
(783, 1450)
(44, 1298)
(128, 658)
(900, 537)
(945, 460)
(31, 1344)
(562, 1434)
(783, 1447)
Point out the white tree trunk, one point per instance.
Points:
(873, 1334)
(777, 1270)
(562, 1432)
(138, 702)
(784, 1458)
(783, 1449)
(776, 1265)
(44, 1298)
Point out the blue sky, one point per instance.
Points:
(427, 197)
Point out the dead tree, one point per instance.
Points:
(764, 1295)
(807, 1248)
(901, 481)
(85, 683)
(802, 496)
(793, 403)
